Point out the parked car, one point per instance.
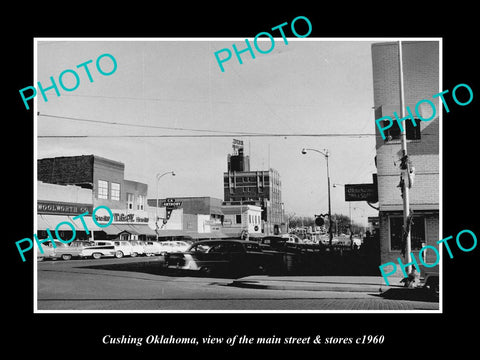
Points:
(152, 248)
(46, 253)
(62, 250)
(116, 248)
(138, 247)
(237, 257)
(173, 246)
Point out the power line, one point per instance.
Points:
(217, 133)
(205, 135)
(135, 125)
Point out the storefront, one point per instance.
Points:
(127, 224)
(61, 216)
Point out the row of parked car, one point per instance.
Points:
(108, 248)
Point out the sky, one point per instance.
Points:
(165, 89)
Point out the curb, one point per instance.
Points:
(307, 286)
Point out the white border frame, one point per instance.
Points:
(379, 39)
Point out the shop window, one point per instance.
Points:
(102, 190)
(115, 191)
(417, 232)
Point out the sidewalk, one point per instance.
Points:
(368, 284)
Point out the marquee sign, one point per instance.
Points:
(122, 216)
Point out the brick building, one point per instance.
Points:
(105, 180)
(421, 81)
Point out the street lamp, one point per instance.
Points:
(326, 155)
(349, 206)
(159, 176)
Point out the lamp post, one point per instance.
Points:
(349, 207)
(159, 176)
(326, 155)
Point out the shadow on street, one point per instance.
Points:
(416, 294)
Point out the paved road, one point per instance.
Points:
(141, 284)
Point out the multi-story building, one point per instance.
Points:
(421, 81)
(105, 180)
(243, 186)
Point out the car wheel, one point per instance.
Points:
(133, 254)
(96, 256)
(262, 269)
(118, 254)
(206, 270)
(66, 257)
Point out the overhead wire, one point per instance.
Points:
(208, 132)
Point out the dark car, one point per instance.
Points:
(290, 257)
(237, 257)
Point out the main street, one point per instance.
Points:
(130, 284)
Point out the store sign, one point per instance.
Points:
(62, 208)
(122, 216)
(171, 203)
(361, 192)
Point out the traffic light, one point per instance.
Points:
(319, 221)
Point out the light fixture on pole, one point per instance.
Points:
(159, 176)
(326, 155)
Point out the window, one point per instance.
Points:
(130, 201)
(115, 191)
(393, 133)
(140, 202)
(238, 219)
(417, 232)
(102, 190)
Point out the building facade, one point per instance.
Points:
(104, 178)
(198, 217)
(243, 186)
(421, 81)
(60, 204)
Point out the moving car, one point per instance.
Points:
(237, 257)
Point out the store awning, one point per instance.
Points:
(91, 226)
(143, 229)
(135, 229)
(42, 223)
(115, 229)
(47, 221)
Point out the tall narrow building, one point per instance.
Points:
(421, 81)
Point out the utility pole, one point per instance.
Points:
(406, 195)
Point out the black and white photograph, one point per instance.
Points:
(295, 182)
(168, 179)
